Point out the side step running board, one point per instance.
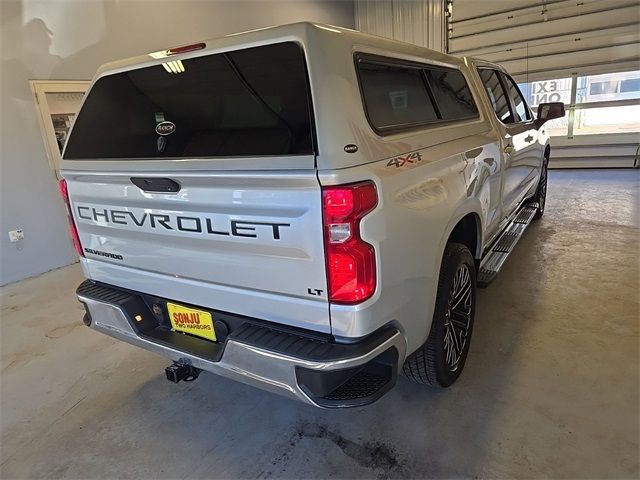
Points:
(496, 256)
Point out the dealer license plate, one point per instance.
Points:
(191, 321)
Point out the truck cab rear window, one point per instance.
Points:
(399, 96)
(452, 94)
(251, 102)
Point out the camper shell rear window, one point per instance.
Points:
(249, 102)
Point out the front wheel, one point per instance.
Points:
(541, 192)
(441, 359)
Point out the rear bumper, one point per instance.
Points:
(318, 372)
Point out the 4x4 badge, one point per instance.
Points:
(403, 160)
(165, 128)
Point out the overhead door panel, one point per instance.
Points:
(550, 37)
(557, 49)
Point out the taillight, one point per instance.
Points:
(64, 192)
(351, 262)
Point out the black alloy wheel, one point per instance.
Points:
(458, 317)
(541, 193)
(441, 359)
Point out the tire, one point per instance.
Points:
(541, 193)
(439, 362)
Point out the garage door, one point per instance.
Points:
(585, 53)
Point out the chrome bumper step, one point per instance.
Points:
(297, 364)
(497, 255)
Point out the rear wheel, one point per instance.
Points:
(541, 193)
(441, 359)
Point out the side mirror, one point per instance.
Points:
(549, 111)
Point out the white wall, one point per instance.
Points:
(68, 40)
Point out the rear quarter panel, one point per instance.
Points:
(420, 202)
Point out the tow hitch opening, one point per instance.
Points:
(181, 371)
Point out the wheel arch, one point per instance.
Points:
(468, 232)
(466, 227)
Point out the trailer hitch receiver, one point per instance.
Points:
(181, 371)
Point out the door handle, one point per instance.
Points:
(159, 185)
(528, 139)
(508, 149)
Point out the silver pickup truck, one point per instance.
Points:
(305, 208)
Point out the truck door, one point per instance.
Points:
(519, 144)
(522, 147)
(499, 100)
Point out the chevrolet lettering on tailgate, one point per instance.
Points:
(193, 224)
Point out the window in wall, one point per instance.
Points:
(496, 94)
(395, 96)
(620, 119)
(608, 87)
(545, 91)
(604, 103)
(57, 103)
(601, 88)
(631, 85)
(616, 116)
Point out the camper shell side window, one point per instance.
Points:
(401, 96)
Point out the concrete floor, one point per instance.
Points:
(550, 388)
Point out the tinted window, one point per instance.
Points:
(395, 96)
(496, 94)
(452, 94)
(522, 112)
(243, 103)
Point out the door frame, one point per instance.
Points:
(39, 90)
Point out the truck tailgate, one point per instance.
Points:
(250, 244)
